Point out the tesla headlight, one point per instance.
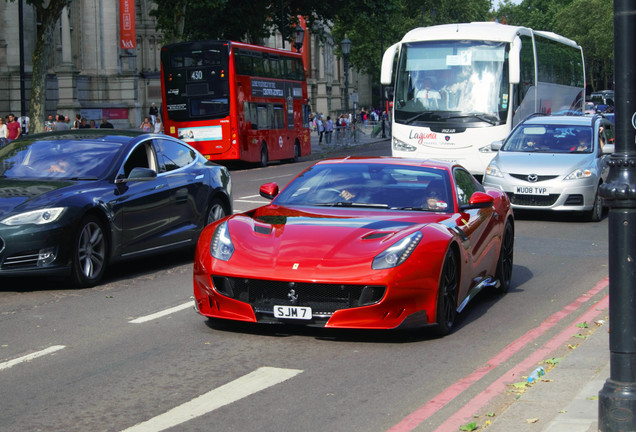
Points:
(36, 217)
(397, 253)
(221, 246)
(579, 174)
(493, 170)
(402, 146)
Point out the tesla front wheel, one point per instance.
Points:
(216, 211)
(89, 253)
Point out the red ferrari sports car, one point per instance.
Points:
(365, 243)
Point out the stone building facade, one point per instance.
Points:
(89, 74)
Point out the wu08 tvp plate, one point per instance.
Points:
(292, 312)
(531, 190)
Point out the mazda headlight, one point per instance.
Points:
(493, 170)
(36, 217)
(579, 174)
(221, 246)
(397, 253)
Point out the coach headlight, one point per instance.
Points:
(397, 253)
(221, 246)
(402, 146)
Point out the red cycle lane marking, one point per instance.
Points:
(499, 386)
(414, 419)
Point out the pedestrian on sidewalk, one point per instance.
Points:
(328, 130)
(320, 127)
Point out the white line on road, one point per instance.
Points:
(240, 388)
(251, 201)
(161, 313)
(29, 357)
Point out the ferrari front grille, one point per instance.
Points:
(323, 299)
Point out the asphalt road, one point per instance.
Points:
(131, 354)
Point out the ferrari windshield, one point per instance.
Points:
(550, 139)
(380, 186)
(463, 82)
(58, 159)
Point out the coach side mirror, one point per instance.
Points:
(514, 69)
(269, 190)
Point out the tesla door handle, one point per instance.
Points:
(161, 186)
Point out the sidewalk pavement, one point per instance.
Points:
(566, 399)
(324, 150)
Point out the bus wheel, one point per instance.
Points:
(264, 158)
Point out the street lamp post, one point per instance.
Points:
(617, 398)
(345, 45)
(299, 37)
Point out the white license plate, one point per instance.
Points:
(531, 190)
(292, 312)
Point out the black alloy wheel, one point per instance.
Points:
(506, 255)
(447, 294)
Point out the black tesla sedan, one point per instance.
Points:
(72, 202)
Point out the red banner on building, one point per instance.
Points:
(127, 37)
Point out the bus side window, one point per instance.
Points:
(261, 122)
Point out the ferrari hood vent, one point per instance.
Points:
(377, 235)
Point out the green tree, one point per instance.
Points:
(243, 20)
(374, 25)
(48, 13)
(588, 22)
(591, 24)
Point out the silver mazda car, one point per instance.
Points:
(554, 163)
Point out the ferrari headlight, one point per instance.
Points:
(36, 217)
(579, 174)
(493, 170)
(397, 253)
(221, 246)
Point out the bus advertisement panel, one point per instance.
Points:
(457, 88)
(235, 101)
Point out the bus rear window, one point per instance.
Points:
(208, 57)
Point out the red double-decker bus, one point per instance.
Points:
(235, 101)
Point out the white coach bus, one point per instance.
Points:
(459, 87)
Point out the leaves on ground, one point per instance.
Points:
(583, 325)
(468, 427)
(532, 420)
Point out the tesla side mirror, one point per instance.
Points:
(269, 190)
(479, 200)
(139, 174)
